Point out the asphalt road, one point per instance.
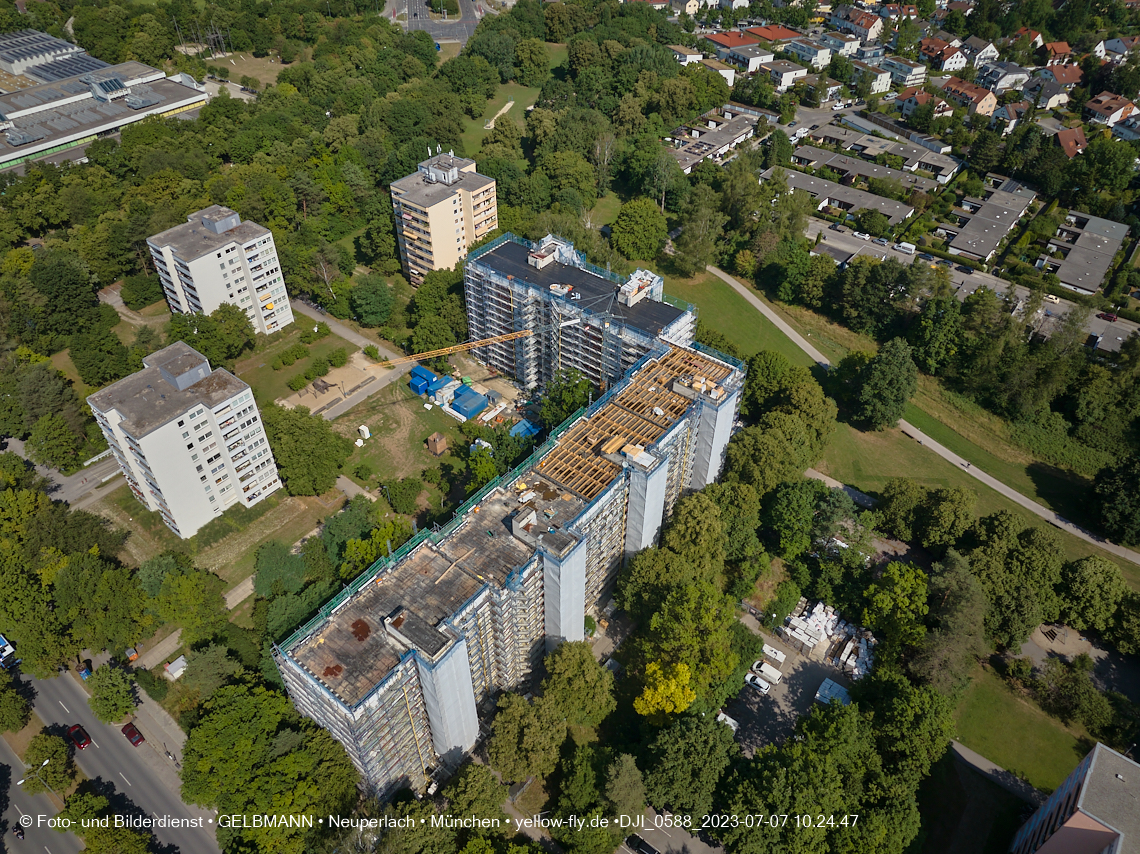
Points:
(137, 780)
(1111, 334)
(419, 18)
(70, 488)
(15, 802)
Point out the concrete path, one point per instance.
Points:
(349, 488)
(860, 498)
(160, 652)
(339, 328)
(913, 432)
(1006, 779)
(239, 592)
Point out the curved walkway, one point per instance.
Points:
(913, 432)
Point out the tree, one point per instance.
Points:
(277, 570)
(639, 230)
(625, 787)
(873, 222)
(526, 738)
(49, 756)
(568, 392)
(667, 690)
(209, 668)
(701, 226)
(103, 603)
(886, 385)
(51, 442)
(1125, 629)
(83, 806)
(577, 685)
(686, 761)
(533, 62)
(113, 694)
(309, 454)
(475, 791)
(936, 336)
(1092, 589)
(372, 300)
(250, 752)
(221, 336)
(789, 515)
(896, 604)
(1116, 491)
(14, 709)
(193, 599)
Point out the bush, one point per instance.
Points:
(372, 352)
(319, 367)
(403, 494)
(156, 687)
(290, 356)
(298, 382)
(277, 364)
(318, 332)
(363, 471)
(338, 358)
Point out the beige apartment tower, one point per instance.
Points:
(441, 209)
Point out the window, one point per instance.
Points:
(186, 434)
(190, 447)
(181, 423)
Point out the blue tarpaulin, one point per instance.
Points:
(525, 428)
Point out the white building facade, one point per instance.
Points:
(188, 439)
(216, 258)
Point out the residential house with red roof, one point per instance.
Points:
(1072, 141)
(1066, 76)
(774, 33)
(1006, 117)
(943, 56)
(865, 25)
(1056, 53)
(975, 99)
(912, 98)
(1108, 109)
(1034, 37)
(724, 42)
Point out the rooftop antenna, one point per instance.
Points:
(438, 148)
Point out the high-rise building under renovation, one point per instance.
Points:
(189, 439)
(441, 209)
(216, 258)
(581, 316)
(400, 665)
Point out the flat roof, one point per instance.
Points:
(146, 401)
(194, 239)
(997, 213)
(1090, 255)
(850, 198)
(353, 650)
(40, 97)
(1110, 793)
(849, 165)
(598, 294)
(415, 188)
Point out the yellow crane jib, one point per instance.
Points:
(458, 348)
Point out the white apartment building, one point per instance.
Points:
(216, 258)
(189, 439)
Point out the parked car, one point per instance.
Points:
(1053, 299)
(721, 717)
(969, 271)
(757, 683)
(882, 241)
(837, 108)
(133, 735)
(835, 227)
(638, 845)
(942, 262)
(1104, 315)
(79, 736)
(926, 257)
(792, 124)
(862, 235)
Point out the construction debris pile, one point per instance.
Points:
(849, 647)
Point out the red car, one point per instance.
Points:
(1104, 315)
(79, 736)
(133, 735)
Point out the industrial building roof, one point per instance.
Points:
(68, 66)
(599, 295)
(146, 400)
(193, 239)
(30, 44)
(36, 98)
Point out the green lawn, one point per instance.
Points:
(524, 96)
(558, 53)
(606, 210)
(269, 384)
(1017, 735)
(729, 313)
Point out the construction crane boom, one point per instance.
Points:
(458, 348)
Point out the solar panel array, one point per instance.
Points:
(28, 45)
(69, 66)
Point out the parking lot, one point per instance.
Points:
(772, 718)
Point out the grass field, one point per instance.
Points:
(449, 50)
(264, 69)
(524, 96)
(269, 384)
(558, 53)
(1017, 735)
(400, 426)
(729, 313)
(61, 361)
(605, 211)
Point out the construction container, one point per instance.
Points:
(418, 384)
(469, 405)
(437, 384)
(421, 371)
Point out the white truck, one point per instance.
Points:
(767, 671)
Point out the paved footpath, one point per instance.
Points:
(913, 432)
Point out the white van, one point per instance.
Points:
(769, 672)
(905, 248)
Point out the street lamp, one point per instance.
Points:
(36, 772)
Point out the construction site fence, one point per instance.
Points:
(716, 354)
